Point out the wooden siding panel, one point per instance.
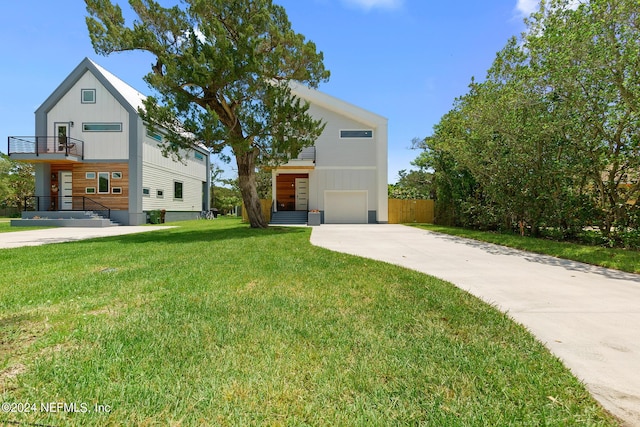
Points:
(286, 190)
(80, 183)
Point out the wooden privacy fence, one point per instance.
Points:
(266, 210)
(408, 211)
(400, 211)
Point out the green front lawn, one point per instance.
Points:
(619, 259)
(214, 323)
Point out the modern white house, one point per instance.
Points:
(93, 153)
(343, 177)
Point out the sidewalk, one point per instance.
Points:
(43, 236)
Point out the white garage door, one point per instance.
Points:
(345, 207)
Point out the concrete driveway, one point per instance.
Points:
(43, 236)
(588, 316)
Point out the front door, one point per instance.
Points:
(66, 190)
(302, 194)
(62, 133)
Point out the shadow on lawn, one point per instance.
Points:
(570, 265)
(180, 235)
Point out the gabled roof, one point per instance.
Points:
(132, 96)
(337, 105)
(129, 97)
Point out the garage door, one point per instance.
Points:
(345, 207)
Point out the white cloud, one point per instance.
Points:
(527, 7)
(372, 4)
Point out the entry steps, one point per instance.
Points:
(63, 219)
(288, 218)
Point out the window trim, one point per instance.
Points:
(160, 194)
(146, 192)
(116, 190)
(85, 126)
(89, 175)
(108, 177)
(116, 175)
(155, 136)
(90, 190)
(175, 197)
(83, 91)
(356, 133)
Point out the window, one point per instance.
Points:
(88, 96)
(90, 175)
(177, 190)
(102, 127)
(146, 192)
(198, 155)
(103, 182)
(155, 136)
(90, 190)
(356, 134)
(116, 175)
(160, 194)
(116, 190)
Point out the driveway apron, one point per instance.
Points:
(587, 316)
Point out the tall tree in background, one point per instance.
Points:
(17, 181)
(589, 59)
(551, 138)
(222, 76)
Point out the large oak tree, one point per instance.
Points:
(222, 75)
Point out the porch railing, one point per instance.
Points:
(45, 145)
(65, 203)
(307, 153)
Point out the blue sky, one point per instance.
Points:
(406, 60)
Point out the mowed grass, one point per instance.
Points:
(619, 259)
(213, 323)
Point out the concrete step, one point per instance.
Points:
(289, 218)
(63, 219)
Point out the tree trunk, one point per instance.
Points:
(247, 180)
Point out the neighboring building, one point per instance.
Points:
(93, 152)
(344, 175)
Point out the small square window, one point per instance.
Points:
(146, 192)
(160, 194)
(116, 190)
(88, 96)
(90, 175)
(90, 190)
(116, 175)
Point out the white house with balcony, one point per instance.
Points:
(344, 175)
(93, 154)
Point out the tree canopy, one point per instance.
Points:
(551, 138)
(221, 76)
(17, 181)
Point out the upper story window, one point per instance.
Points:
(198, 155)
(88, 96)
(155, 136)
(102, 127)
(357, 133)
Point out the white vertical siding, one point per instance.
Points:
(331, 150)
(159, 173)
(97, 145)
